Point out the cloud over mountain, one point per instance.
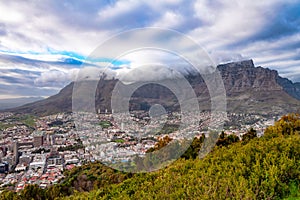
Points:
(48, 41)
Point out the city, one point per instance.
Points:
(39, 150)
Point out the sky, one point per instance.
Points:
(44, 43)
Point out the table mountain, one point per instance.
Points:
(249, 89)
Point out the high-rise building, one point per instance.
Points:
(52, 139)
(16, 152)
(38, 140)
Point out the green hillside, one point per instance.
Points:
(255, 168)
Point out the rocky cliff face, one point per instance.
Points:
(289, 87)
(242, 76)
(258, 90)
(248, 89)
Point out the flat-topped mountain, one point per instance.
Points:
(249, 89)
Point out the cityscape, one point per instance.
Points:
(39, 154)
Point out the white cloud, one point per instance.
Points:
(10, 16)
(220, 26)
(226, 57)
(169, 20)
(149, 72)
(120, 8)
(56, 78)
(38, 29)
(227, 22)
(93, 73)
(276, 54)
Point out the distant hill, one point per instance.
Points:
(61, 102)
(15, 102)
(249, 89)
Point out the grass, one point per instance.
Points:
(119, 141)
(105, 124)
(27, 120)
(4, 126)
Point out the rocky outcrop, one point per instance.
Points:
(242, 76)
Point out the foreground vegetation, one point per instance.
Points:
(254, 168)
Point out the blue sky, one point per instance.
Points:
(43, 43)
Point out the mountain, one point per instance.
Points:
(257, 89)
(289, 87)
(249, 89)
(15, 102)
(61, 102)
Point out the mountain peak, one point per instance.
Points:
(239, 64)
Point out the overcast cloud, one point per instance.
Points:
(43, 44)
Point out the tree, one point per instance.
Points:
(33, 192)
(251, 134)
(287, 125)
(193, 150)
(227, 140)
(160, 144)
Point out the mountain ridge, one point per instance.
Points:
(248, 88)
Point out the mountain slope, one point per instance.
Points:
(61, 102)
(249, 89)
(12, 103)
(289, 87)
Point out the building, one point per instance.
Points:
(38, 165)
(25, 159)
(10, 159)
(20, 168)
(55, 161)
(3, 151)
(52, 139)
(38, 140)
(16, 152)
(4, 167)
